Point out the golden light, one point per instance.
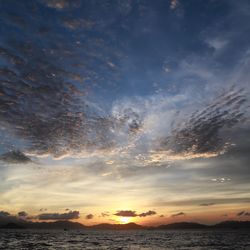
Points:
(124, 220)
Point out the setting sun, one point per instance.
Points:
(124, 220)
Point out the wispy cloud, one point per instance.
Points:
(178, 214)
(207, 204)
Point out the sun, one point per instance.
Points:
(124, 220)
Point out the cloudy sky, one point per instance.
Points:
(125, 111)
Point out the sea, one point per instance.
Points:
(19, 239)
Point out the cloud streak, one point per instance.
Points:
(178, 214)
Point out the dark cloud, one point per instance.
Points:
(207, 204)
(149, 213)
(243, 213)
(15, 157)
(126, 213)
(43, 91)
(201, 132)
(22, 214)
(130, 213)
(105, 214)
(4, 214)
(89, 216)
(57, 216)
(178, 214)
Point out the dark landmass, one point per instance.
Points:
(182, 225)
(233, 225)
(68, 225)
(128, 226)
(12, 225)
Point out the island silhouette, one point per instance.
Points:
(69, 225)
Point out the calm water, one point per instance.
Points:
(41, 239)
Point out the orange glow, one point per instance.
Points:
(124, 220)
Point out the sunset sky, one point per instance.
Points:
(117, 111)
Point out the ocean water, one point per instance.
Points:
(58, 239)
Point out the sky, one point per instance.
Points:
(125, 111)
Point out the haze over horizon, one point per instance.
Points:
(124, 111)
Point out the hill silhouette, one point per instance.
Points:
(69, 225)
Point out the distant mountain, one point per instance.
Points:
(69, 225)
(232, 225)
(43, 225)
(12, 225)
(54, 225)
(182, 225)
(129, 226)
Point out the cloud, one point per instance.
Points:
(130, 213)
(243, 213)
(126, 213)
(174, 4)
(22, 214)
(62, 4)
(240, 213)
(217, 43)
(105, 214)
(200, 133)
(15, 157)
(4, 214)
(57, 216)
(178, 214)
(49, 109)
(149, 213)
(207, 204)
(89, 216)
(78, 24)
